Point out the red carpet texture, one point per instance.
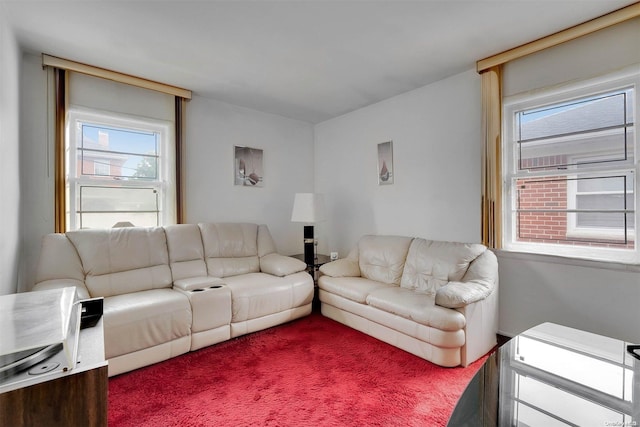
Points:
(310, 372)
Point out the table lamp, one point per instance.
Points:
(308, 208)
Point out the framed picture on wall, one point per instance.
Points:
(248, 167)
(385, 163)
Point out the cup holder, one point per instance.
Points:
(215, 286)
(197, 290)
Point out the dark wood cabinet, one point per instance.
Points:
(74, 398)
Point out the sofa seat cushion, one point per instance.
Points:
(140, 320)
(420, 308)
(255, 295)
(353, 288)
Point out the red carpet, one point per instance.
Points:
(310, 372)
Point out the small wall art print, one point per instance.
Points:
(248, 167)
(385, 163)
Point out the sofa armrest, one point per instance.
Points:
(478, 283)
(460, 294)
(280, 265)
(341, 268)
(202, 282)
(81, 289)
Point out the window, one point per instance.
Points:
(122, 172)
(570, 170)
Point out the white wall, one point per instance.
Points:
(9, 169)
(213, 128)
(36, 166)
(598, 297)
(436, 154)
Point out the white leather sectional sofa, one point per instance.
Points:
(437, 300)
(169, 290)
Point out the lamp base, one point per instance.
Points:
(309, 253)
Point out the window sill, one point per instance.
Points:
(590, 234)
(566, 260)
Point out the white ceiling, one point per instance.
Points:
(308, 60)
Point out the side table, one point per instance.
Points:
(313, 269)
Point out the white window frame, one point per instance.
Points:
(164, 184)
(531, 100)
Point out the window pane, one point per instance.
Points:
(116, 165)
(610, 146)
(588, 131)
(585, 115)
(116, 219)
(553, 228)
(605, 221)
(106, 207)
(542, 194)
(550, 210)
(126, 153)
(599, 184)
(122, 199)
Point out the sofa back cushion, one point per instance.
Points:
(123, 260)
(58, 259)
(381, 258)
(230, 249)
(432, 264)
(186, 253)
(266, 245)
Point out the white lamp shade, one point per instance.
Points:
(308, 207)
